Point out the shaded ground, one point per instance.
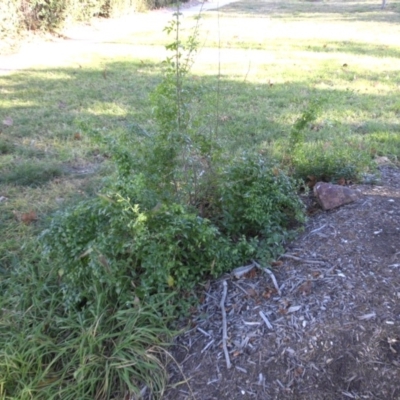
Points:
(335, 327)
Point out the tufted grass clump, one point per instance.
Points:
(49, 353)
(30, 173)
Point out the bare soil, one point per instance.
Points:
(335, 330)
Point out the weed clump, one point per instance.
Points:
(326, 159)
(176, 211)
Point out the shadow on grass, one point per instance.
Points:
(48, 114)
(340, 11)
(54, 110)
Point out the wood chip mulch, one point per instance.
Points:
(328, 329)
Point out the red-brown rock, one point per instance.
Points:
(330, 196)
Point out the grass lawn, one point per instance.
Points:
(266, 60)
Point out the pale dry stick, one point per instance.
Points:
(266, 320)
(224, 325)
(207, 346)
(367, 316)
(394, 257)
(239, 287)
(304, 260)
(203, 332)
(251, 323)
(248, 71)
(335, 234)
(316, 230)
(240, 271)
(271, 275)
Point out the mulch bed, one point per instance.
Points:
(332, 332)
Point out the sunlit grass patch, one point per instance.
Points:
(385, 143)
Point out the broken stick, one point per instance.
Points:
(306, 261)
(271, 275)
(224, 324)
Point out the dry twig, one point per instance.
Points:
(266, 320)
(302, 259)
(224, 324)
(271, 275)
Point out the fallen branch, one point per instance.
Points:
(271, 275)
(224, 324)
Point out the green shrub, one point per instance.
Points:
(175, 212)
(49, 15)
(321, 159)
(143, 5)
(110, 245)
(255, 199)
(113, 8)
(83, 10)
(128, 244)
(302, 123)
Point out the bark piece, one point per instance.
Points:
(331, 196)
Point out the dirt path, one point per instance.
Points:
(82, 41)
(334, 330)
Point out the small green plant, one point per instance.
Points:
(322, 159)
(299, 128)
(255, 199)
(6, 147)
(331, 160)
(182, 149)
